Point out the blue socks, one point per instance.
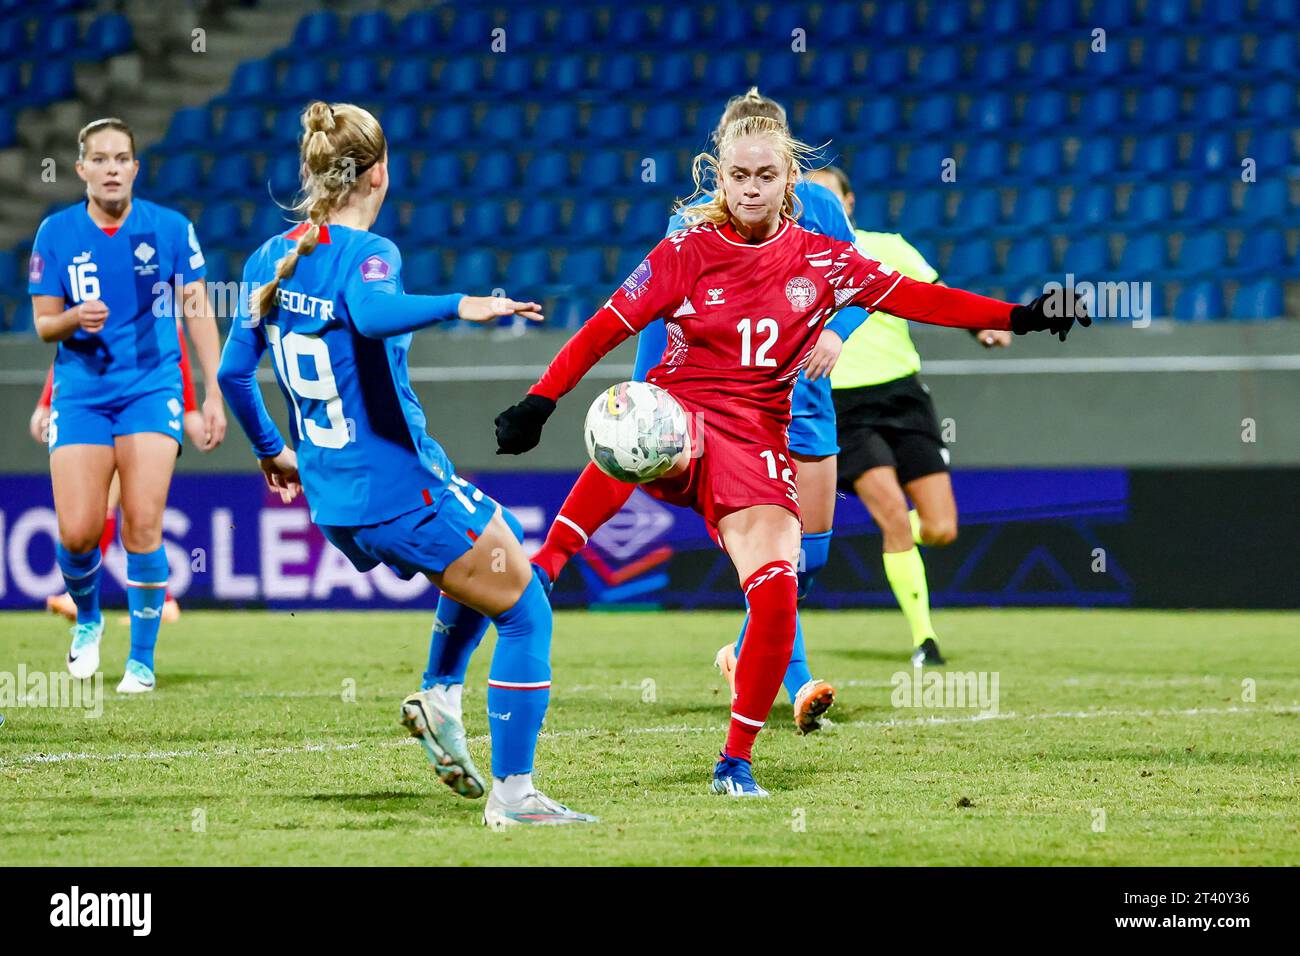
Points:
(457, 632)
(146, 589)
(81, 574)
(814, 553)
(519, 681)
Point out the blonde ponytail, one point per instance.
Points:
(340, 142)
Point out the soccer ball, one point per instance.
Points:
(636, 432)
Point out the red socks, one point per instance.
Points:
(595, 499)
(771, 593)
(109, 532)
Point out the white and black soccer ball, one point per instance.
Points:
(636, 432)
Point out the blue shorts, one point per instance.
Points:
(812, 419)
(77, 421)
(424, 541)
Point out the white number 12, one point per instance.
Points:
(760, 357)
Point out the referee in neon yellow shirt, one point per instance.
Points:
(891, 449)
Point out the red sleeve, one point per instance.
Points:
(876, 286)
(47, 393)
(187, 377)
(646, 294)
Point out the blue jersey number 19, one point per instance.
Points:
(287, 349)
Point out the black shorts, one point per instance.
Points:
(890, 424)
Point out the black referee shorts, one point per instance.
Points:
(892, 424)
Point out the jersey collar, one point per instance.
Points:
(300, 230)
(728, 233)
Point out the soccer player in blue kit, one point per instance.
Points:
(596, 498)
(108, 278)
(329, 304)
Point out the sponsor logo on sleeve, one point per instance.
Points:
(375, 269)
(36, 268)
(636, 283)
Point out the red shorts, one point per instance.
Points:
(727, 474)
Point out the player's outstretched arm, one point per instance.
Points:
(380, 314)
(238, 377)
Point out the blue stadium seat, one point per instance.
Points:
(503, 122)
(422, 270)
(839, 21)
(940, 66)
(1154, 155)
(512, 74)
(978, 211)
(673, 72)
(1041, 159)
(494, 172)
(730, 27)
(440, 173)
(1276, 53)
(1101, 108)
(1220, 54)
(886, 67)
(1055, 16)
(357, 80)
(778, 71)
(282, 174)
(243, 127)
(617, 74)
(539, 221)
(645, 221)
(13, 37)
(58, 37)
(778, 29)
(879, 116)
(990, 112)
(1051, 62)
(662, 121)
(450, 125)
(1086, 256)
(179, 176)
(1265, 201)
(1091, 206)
(419, 32)
(53, 82)
(1207, 202)
(1150, 205)
(461, 76)
(923, 211)
(555, 123)
(1261, 251)
(1029, 261)
(986, 161)
(726, 71)
(1164, 56)
(602, 170)
(401, 173)
(401, 124)
(874, 164)
(584, 266)
(871, 211)
(370, 32)
(387, 223)
(233, 175)
(1143, 256)
(932, 114)
(548, 171)
(316, 32)
(947, 18)
(972, 260)
(268, 221)
(679, 26)
(252, 80)
(11, 82)
(592, 222)
(1260, 299)
(1110, 14)
(1168, 14)
(1097, 159)
(891, 20)
(475, 269)
(190, 128)
(1213, 151)
(924, 162)
(567, 73)
(1157, 106)
(630, 26)
(529, 270)
(823, 119)
(107, 36)
(485, 222)
(1274, 101)
(608, 123)
(302, 82)
(1216, 104)
(470, 29)
(409, 78)
(576, 27)
(430, 222)
(1206, 252)
(1199, 301)
(568, 312)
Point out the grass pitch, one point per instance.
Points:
(1121, 738)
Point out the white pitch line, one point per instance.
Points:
(161, 755)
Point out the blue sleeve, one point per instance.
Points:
(44, 274)
(237, 376)
(190, 265)
(824, 214)
(650, 345)
(375, 300)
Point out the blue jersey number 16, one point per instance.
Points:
(287, 349)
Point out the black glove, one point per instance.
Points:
(1035, 316)
(519, 427)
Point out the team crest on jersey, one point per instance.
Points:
(801, 292)
(374, 269)
(35, 268)
(636, 283)
(144, 252)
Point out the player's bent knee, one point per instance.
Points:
(938, 534)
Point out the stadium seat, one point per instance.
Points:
(548, 171)
(539, 221)
(512, 75)
(401, 124)
(991, 112)
(978, 211)
(53, 82)
(314, 33)
(985, 162)
(1164, 56)
(1086, 256)
(1200, 301)
(1202, 253)
(879, 116)
(422, 271)
(628, 27)
(1261, 251)
(1041, 159)
(441, 173)
(1101, 108)
(1154, 155)
(931, 114)
(592, 222)
(1206, 202)
(1045, 109)
(283, 176)
(460, 77)
(190, 128)
(567, 74)
(555, 123)
(268, 221)
(58, 37)
(1220, 55)
(474, 269)
(419, 32)
(662, 121)
(1051, 61)
(449, 127)
(1273, 101)
(584, 266)
(1029, 261)
(673, 72)
(1091, 207)
(1260, 299)
(401, 173)
(886, 67)
(430, 222)
(493, 172)
(1216, 104)
(1096, 159)
(1149, 205)
(357, 80)
(1157, 106)
(108, 36)
(13, 38)
(242, 127)
(923, 211)
(607, 123)
(872, 210)
(529, 270)
(484, 223)
(1276, 54)
(970, 262)
(302, 82)
(823, 119)
(645, 221)
(1265, 201)
(233, 176)
(925, 162)
(1055, 16)
(370, 31)
(409, 78)
(387, 223)
(617, 74)
(503, 122)
(1143, 256)
(179, 176)
(602, 171)
(940, 66)
(253, 80)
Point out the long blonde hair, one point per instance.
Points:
(706, 169)
(340, 142)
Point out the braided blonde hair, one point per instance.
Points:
(706, 169)
(340, 142)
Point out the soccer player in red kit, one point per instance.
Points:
(746, 291)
